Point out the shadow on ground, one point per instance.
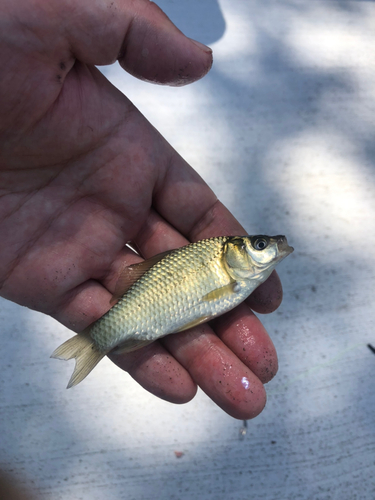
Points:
(314, 440)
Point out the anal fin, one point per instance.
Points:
(193, 323)
(131, 345)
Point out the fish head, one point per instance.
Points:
(254, 256)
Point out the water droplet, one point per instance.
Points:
(245, 382)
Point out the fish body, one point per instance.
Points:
(175, 291)
(172, 295)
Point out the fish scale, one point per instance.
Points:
(167, 297)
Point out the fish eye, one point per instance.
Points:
(260, 244)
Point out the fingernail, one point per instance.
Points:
(203, 47)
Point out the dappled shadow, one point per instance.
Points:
(315, 438)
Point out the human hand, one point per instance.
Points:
(82, 173)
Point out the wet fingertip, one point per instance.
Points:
(244, 334)
(267, 368)
(262, 361)
(249, 401)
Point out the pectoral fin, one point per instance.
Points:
(130, 274)
(223, 292)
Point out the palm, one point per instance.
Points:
(82, 205)
(82, 173)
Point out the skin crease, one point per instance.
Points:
(82, 172)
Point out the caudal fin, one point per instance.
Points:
(87, 356)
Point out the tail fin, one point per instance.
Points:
(87, 356)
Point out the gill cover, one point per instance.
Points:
(237, 261)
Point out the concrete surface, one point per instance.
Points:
(283, 130)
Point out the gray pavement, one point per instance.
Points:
(283, 129)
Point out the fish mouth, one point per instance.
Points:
(282, 245)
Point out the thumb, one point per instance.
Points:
(141, 37)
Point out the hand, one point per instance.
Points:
(82, 173)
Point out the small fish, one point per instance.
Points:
(174, 291)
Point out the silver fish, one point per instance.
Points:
(174, 291)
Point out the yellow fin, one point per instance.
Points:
(87, 356)
(131, 345)
(193, 323)
(222, 292)
(130, 274)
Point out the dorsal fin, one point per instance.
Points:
(130, 274)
